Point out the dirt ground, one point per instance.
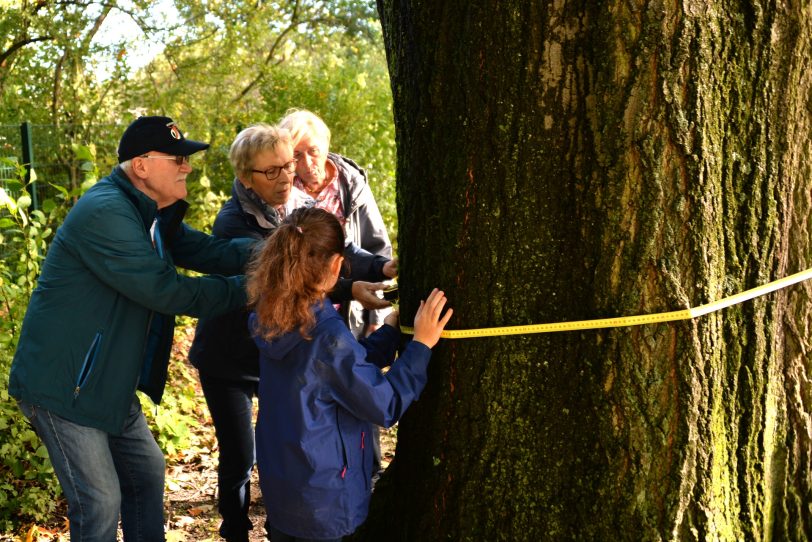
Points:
(191, 484)
(192, 505)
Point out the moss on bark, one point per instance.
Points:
(562, 161)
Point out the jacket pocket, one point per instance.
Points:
(88, 363)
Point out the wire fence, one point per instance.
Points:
(53, 158)
(9, 147)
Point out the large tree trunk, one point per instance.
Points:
(576, 160)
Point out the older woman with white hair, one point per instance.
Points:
(336, 184)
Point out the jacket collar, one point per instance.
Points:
(280, 346)
(147, 208)
(266, 216)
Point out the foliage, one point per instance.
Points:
(223, 66)
(49, 59)
(349, 89)
(329, 60)
(27, 483)
(59, 64)
(179, 410)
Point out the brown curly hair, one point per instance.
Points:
(291, 272)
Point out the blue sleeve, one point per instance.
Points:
(195, 250)
(364, 265)
(381, 346)
(359, 386)
(111, 243)
(342, 292)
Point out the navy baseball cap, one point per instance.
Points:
(160, 134)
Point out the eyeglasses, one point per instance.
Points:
(273, 172)
(179, 160)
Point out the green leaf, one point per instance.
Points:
(24, 201)
(48, 205)
(84, 153)
(13, 185)
(61, 189)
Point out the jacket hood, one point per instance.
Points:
(281, 346)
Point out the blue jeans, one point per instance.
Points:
(105, 476)
(231, 406)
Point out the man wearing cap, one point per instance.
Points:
(99, 326)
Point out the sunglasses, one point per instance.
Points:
(179, 160)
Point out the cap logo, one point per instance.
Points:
(173, 130)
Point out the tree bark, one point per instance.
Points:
(575, 160)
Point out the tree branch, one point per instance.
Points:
(271, 53)
(19, 45)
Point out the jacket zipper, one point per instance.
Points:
(364, 459)
(343, 449)
(87, 364)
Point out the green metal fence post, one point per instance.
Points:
(28, 161)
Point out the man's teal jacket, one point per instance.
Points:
(100, 321)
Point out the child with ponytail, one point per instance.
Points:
(320, 390)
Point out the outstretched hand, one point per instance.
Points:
(365, 294)
(427, 322)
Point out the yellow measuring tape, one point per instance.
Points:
(624, 321)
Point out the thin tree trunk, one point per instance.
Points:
(565, 161)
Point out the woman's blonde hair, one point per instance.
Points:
(292, 271)
(299, 122)
(252, 141)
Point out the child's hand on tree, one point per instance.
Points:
(427, 322)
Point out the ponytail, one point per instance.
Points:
(292, 273)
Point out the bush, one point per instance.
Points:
(27, 482)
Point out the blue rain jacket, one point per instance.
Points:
(318, 399)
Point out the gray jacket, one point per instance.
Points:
(365, 228)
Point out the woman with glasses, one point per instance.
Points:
(222, 350)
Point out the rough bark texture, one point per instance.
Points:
(574, 160)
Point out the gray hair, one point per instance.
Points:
(251, 141)
(300, 122)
